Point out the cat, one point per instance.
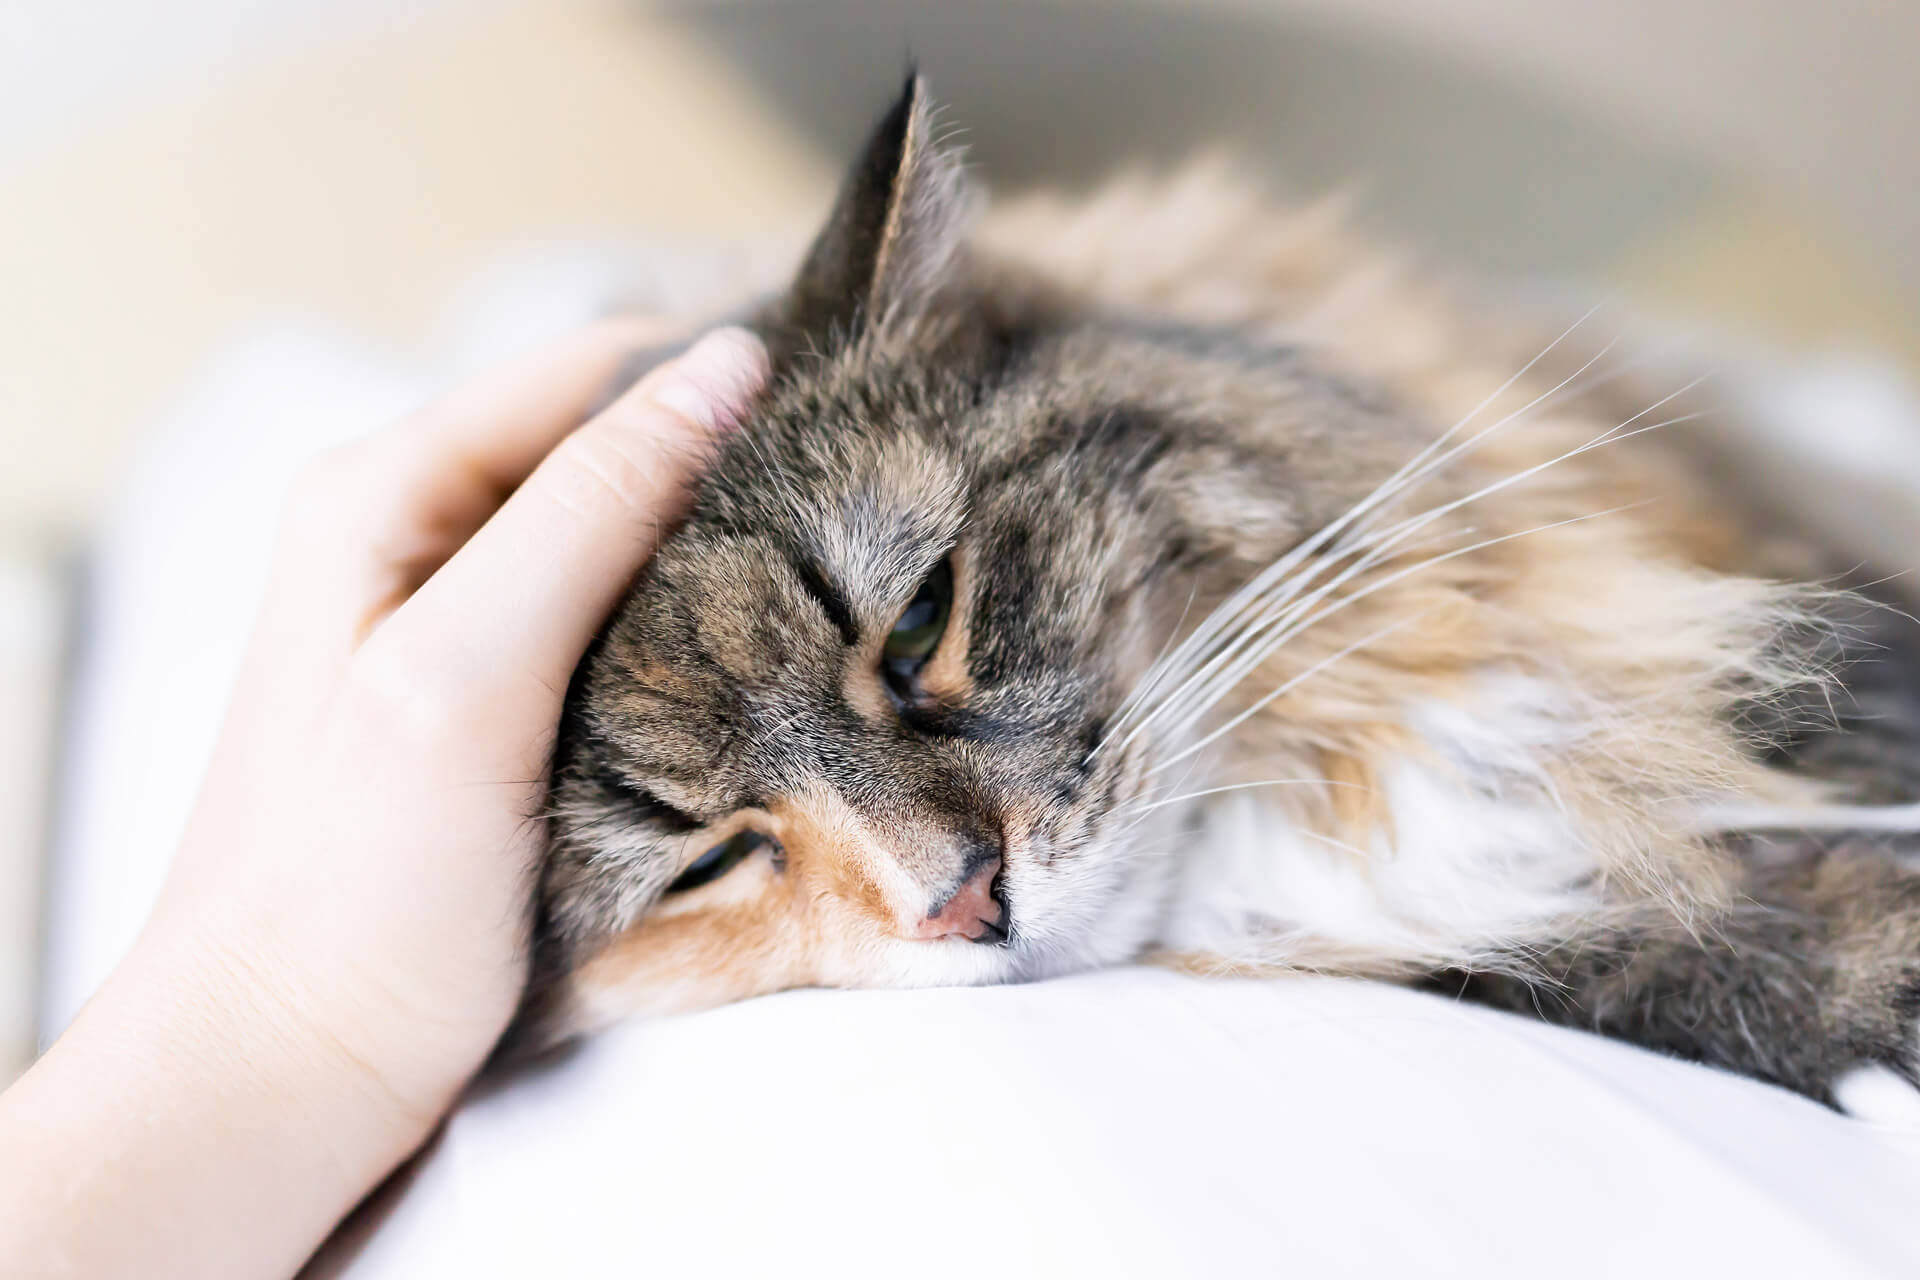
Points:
(1166, 574)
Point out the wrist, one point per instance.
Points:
(187, 1104)
(302, 1042)
(342, 995)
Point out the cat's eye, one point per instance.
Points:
(720, 859)
(917, 632)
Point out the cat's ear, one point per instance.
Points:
(894, 232)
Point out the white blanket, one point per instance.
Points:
(1127, 1123)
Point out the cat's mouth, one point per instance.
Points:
(998, 933)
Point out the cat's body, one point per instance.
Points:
(1263, 617)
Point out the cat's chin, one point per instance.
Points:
(1100, 908)
(953, 963)
(1063, 923)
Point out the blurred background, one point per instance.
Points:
(273, 213)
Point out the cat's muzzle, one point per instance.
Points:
(976, 909)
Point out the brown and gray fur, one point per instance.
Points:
(1291, 630)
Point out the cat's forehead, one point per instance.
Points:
(867, 510)
(865, 475)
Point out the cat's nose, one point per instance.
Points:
(973, 911)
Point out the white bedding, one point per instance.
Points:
(1127, 1123)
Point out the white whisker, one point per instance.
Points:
(1390, 579)
(1242, 786)
(1146, 686)
(1610, 436)
(1388, 538)
(1287, 686)
(1265, 630)
(1244, 600)
(1477, 437)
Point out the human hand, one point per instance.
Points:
(343, 934)
(367, 833)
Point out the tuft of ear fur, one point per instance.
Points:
(892, 237)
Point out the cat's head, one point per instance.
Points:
(856, 724)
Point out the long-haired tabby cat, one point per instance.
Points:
(1167, 575)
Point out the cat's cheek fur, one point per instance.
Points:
(1105, 904)
(713, 959)
(692, 959)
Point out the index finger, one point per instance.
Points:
(523, 598)
(397, 503)
(503, 423)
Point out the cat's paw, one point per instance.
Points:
(1880, 1095)
(1888, 1092)
(1868, 959)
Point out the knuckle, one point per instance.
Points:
(329, 473)
(327, 491)
(595, 477)
(392, 697)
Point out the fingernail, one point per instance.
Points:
(715, 381)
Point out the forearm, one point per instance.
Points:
(190, 1123)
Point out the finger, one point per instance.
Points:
(501, 425)
(379, 516)
(527, 593)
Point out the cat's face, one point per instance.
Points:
(856, 725)
(849, 728)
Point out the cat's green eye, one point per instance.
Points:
(916, 634)
(719, 860)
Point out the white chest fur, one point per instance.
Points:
(1477, 854)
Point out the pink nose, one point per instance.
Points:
(972, 912)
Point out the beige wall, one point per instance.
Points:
(1815, 100)
(171, 175)
(360, 180)
(360, 172)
